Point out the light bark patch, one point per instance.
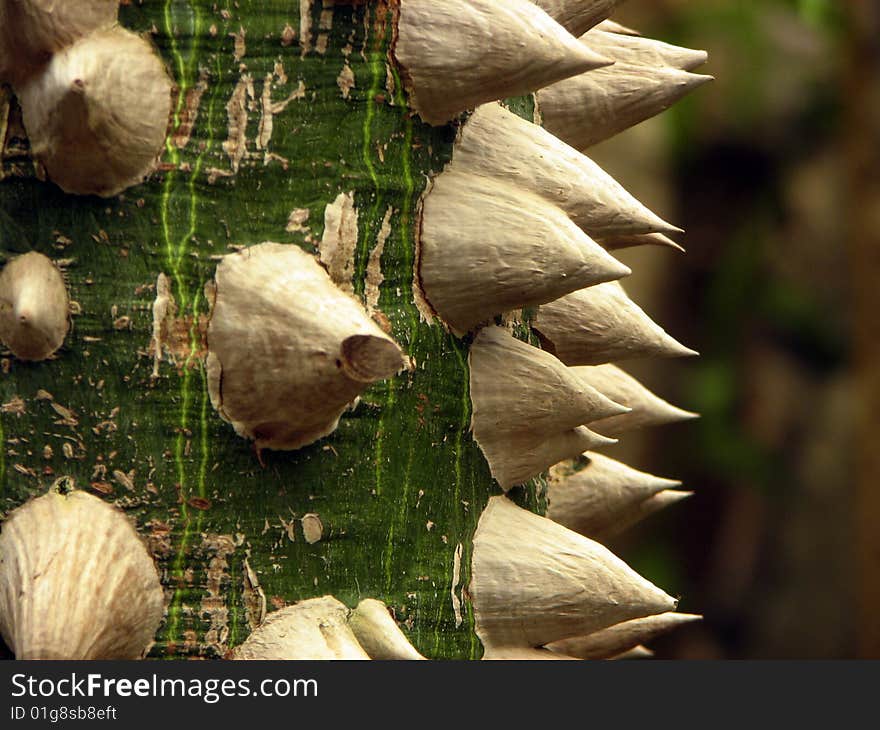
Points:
(215, 173)
(325, 21)
(305, 26)
(254, 597)
(124, 479)
(456, 579)
(280, 73)
(159, 538)
(296, 221)
(235, 145)
(15, 406)
(164, 307)
(345, 81)
(268, 110)
(375, 277)
(239, 47)
(288, 35)
(339, 241)
(213, 606)
(426, 313)
(312, 527)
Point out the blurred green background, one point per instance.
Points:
(773, 171)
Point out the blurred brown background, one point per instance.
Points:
(774, 171)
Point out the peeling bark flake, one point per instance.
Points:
(235, 145)
(305, 26)
(190, 641)
(269, 109)
(239, 48)
(288, 35)
(375, 277)
(345, 81)
(68, 417)
(312, 527)
(419, 298)
(16, 406)
(124, 479)
(279, 72)
(296, 221)
(254, 597)
(164, 307)
(173, 335)
(389, 84)
(264, 133)
(456, 579)
(215, 173)
(289, 529)
(339, 240)
(213, 605)
(325, 21)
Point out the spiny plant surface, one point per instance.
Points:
(277, 110)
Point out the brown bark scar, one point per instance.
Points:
(159, 538)
(190, 111)
(173, 335)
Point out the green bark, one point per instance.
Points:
(398, 486)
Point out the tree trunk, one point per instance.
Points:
(399, 486)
